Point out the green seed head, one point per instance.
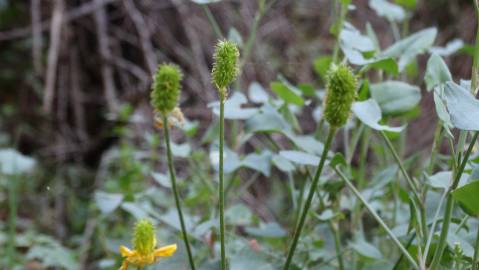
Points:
(341, 92)
(225, 68)
(144, 238)
(166, 88)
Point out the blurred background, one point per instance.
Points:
(75, 78)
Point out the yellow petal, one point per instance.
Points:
(125, 252)
(165, 251)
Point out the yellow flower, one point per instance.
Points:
(145, 251)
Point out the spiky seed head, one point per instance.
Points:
(341, 92)
(166, 88)
(225, 68)
(144, 238)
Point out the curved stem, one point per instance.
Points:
(221, 184)
(450, 205)
(378, 218)
(175, 191)
(309, 199)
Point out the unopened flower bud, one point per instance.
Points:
(341, 92)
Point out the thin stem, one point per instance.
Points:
(252, 36)
(337, 244)
(450, 205)
(433, 226)
(476, 252)
(378, 218)
(171, 168)
(213, 22)
(339, 25)
(409, 180)
(221, 180)
(309, 199)
(12, 226)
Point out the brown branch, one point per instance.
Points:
(144, 33)
(83, 10)
(36, 37)
(105, 53)
(53, 52)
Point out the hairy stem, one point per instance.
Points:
(221, 184)
(307, 205)
(171, 169)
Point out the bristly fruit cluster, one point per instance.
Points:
(225, 68)
(166, 88)
(144, 238)
(341, 93)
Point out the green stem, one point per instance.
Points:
(409, 180)
(212, 20)
(221, 180)
(339, 25)
(450, 205)
(337, 244)
(377, 218)
(175, 190)
(12, 226)
(309, 199)
(252, 36)
(476, 252)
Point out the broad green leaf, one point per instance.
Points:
(108, 202)
(442, 113)
(286, 94)
(282, 164)
(269, 230)
(248, 259)
(257, 94)
(134, 209)
(301, 158)
(369, 113)
(395, 97)
(451, 47)
(321, 65)
(306, 143)
(180, 150)
(387, 64)
(367, 250)
(437, 72)
(235, 36)
(268, 119)
(238, 215)
(355, 45)
(409, 4)
(51, 254)
(468, 198)
(463, 107)
(443, 180)
(162, 179)
(408, 48)
(390, 11)
(13, 162)
(259, 162)
(233, 108)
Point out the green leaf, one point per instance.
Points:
(451, 47)
(286, 94)
(321, 65)
(409, 4)
(282, 164)
(180, 150)
(468, 198)
(248, 259)
(366, 250)
(259, 162)
(235, 36)
(387, 64)
(437, 72)
(443, 180)
(13, 162)
(443, 115)
(268, 119)
(233, 108)
(162, 179)
(257, 94)
(268, 230)
(108, 202)
(51, 254)
(463, 107)
(395, 97)
(408, 48)
(338, 159)
(238, 215)
(370, 114)
(390, 11)
(301, 158)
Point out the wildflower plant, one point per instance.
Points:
(145, 251)
(164, 98)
